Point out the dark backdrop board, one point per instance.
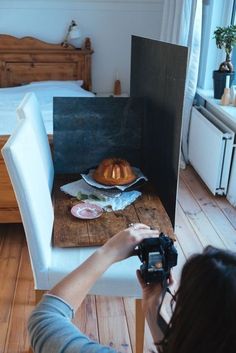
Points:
(87, 130)
(158, 72)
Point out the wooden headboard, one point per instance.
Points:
(28, 59)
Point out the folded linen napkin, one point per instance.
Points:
(117, 203)
(81, 189)
(109, 200)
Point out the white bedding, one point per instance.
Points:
(11, 97)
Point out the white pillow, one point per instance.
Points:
(60, 83)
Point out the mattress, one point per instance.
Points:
(11, 97)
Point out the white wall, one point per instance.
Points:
(109, 24)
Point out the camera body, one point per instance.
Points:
(158, 256)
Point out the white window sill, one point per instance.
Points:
(227, 113)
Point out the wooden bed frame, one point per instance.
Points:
(23, 60)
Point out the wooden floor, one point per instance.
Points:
(201, 220)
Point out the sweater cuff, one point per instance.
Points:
(59, 302)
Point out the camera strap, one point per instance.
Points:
(160, 320)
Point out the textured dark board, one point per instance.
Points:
(158, 72)
(87, 130)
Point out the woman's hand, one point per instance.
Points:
(122, 245)
(151, 293)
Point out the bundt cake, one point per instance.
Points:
(114, 171)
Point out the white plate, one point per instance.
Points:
(86, 211)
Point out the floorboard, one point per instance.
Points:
(86, 318)
(17, 340)
(209, 205)
(11, 242)
(200, 222)
(201, 219)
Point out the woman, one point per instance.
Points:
(204, 319)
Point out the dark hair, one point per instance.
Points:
(204, 318)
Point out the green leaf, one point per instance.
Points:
(81, 196)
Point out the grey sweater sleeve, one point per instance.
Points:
(51, 330)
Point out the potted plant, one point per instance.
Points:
(225, 39)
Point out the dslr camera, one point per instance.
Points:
(158, 256)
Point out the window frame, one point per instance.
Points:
(233, 22)
(215, 13)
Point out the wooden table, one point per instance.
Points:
(73, 232)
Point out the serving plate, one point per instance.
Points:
(85, 210)
(88, 178)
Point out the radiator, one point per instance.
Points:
(210, 149)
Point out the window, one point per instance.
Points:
(233, 22)
(215, 13)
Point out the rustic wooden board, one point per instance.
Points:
(151, 211)
(72, 232)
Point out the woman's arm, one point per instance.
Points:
(50, 326)
(76, 285)
(51, 330)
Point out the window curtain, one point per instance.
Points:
(181, 24)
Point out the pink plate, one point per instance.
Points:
(86, 210)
